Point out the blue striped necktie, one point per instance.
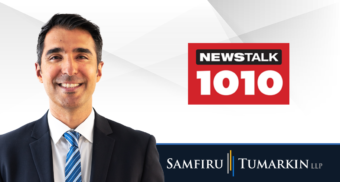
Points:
(72, 167)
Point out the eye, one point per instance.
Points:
(82, 57)
(55, 57)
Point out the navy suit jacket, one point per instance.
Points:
(120, 154)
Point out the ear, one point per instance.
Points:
(38, 72)
(99, 70)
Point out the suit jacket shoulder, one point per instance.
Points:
(127, 133)
(25, 153)
(133, 153)
(16, 139)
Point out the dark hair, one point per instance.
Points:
(70, 21)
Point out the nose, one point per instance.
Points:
(69, 66)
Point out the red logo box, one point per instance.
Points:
(238, 73)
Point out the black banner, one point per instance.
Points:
(253, 162)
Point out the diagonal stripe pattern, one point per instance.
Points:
(72, 167)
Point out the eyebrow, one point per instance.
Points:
(58, 49)
(54, 50)
(82, 50)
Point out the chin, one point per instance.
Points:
(70, 103)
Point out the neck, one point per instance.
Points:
(72, 117)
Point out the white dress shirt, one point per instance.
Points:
(60, 146)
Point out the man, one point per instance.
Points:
(72, 142)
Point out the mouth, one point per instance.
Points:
(70, 87)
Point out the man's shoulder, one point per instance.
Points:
(128, 134)
(17, 138)
(19, 133)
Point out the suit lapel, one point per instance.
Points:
(102, 149)
(41, 150)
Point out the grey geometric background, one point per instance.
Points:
(144, 83)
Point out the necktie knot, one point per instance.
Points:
(72, 137)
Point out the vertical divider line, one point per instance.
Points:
(227, 163)
(230, 161)
(233, 166)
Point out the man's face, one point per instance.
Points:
(68, 68)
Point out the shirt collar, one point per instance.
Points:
(58, 128)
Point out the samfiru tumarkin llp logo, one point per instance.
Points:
(228, 164)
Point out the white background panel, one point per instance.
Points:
(145, 84)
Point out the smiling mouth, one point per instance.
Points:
(70, 85)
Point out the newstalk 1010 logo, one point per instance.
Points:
(238, 73)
